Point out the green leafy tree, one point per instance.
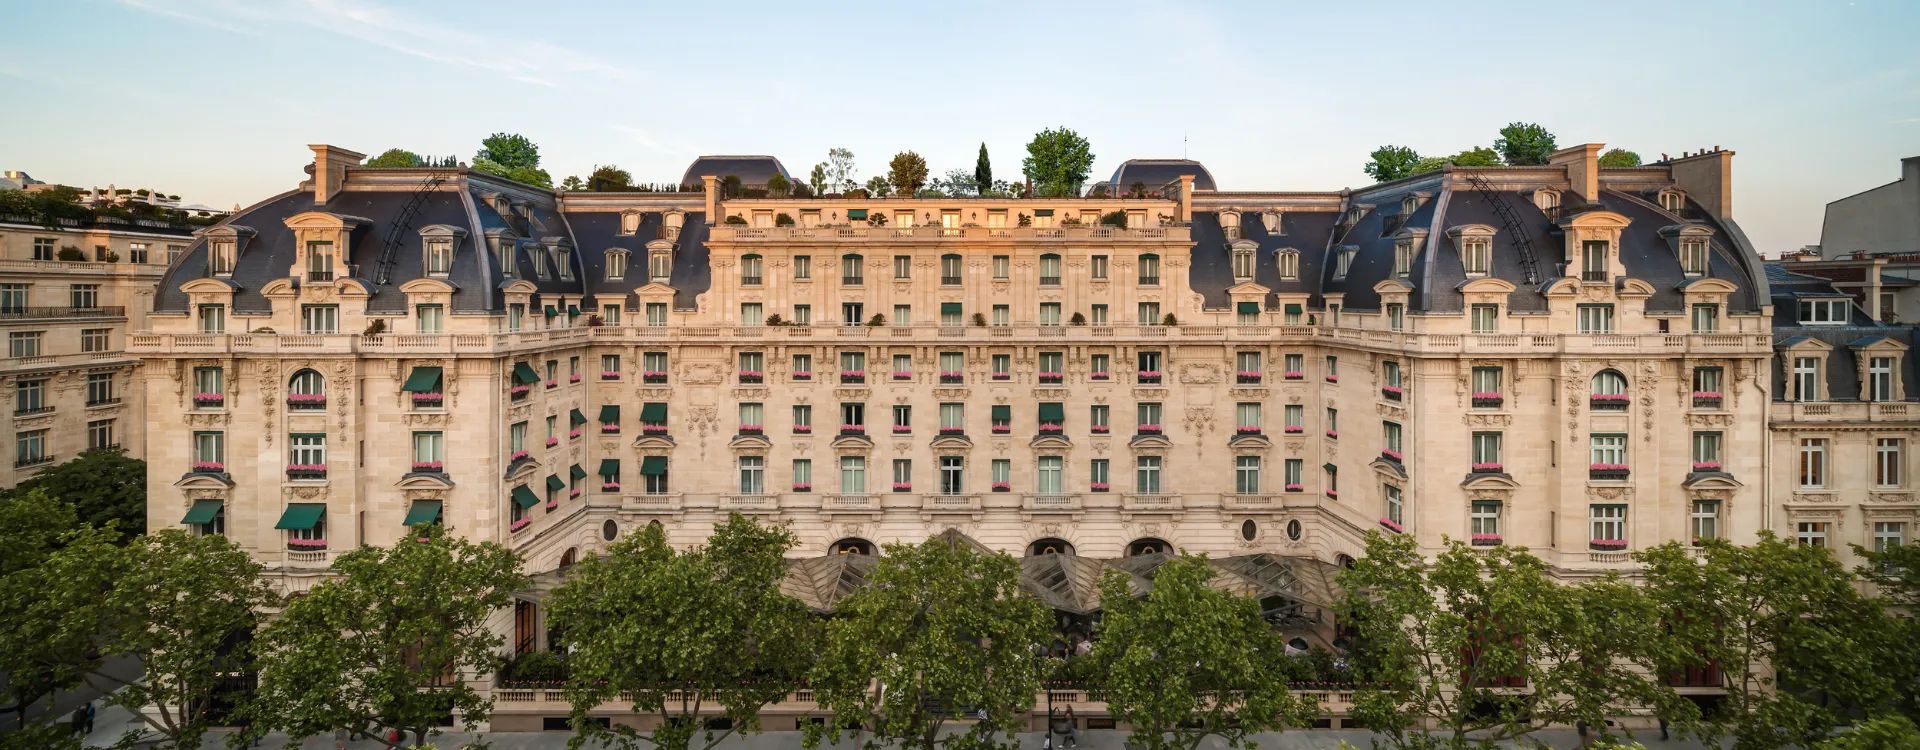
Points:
(390, 642)
(1607, 656)
(1057, 162)
(982, 172)
(609, 179)
(512, 156)
(397, 157)
(184, 605)
(573, 184)
(1189, 661)
(1429, 164)
(1478, 156)
(1889, 732)
(878, 187)
(779, 186)
(1619, 157)
(942, 627)
(1524, 144)
(907, 172)
(1895, 574)
(1776, 618)
(54, 574)
(1389, 163)
(106, 488)
(680, 633)
(817, 180)
(840, 166)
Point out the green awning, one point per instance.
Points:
(576, 472)
(552, 312)
(1002, 413)
(523, 374)
(856, 214)
(1329, 467)
(305, 435)
(423, 380)
(202, 512)
(524, 497)
(653, 466)
(1043, 212)
(610, 414)
(422, 513)
(575, 418)
(1293, 309)
(653, 413)
(301, 516)
(573, 311)
(610, 467)
(1053, 412)
(949, 308)
(554, 482)
(1248, 308)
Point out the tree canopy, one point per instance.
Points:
(982, 172)
(1619, 157)
(817, 179)
(907, 172)
(607, 178)
(1524, 144)
(106, 488)
(396, 157)
(1057, 162)
(1389, 163)
(512, 156)
(840, 168)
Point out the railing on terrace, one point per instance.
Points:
(726, 232)
(48, 313)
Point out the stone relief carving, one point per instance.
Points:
(1199, 420)
(1199, 373)
(702, 373)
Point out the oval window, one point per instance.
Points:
(1293, 530)
(1249, 530)
(609, 531)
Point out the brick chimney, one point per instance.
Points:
(1582, 163)
(330, 165)
(1707, 178)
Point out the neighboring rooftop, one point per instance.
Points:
(1156, 173)
(753, 170)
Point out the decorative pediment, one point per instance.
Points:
(951, 443)
(853, 442)
(1595, 220)
(202, 480)
(1635, 288)
(522, 470)
(208, 285)
(1483, 481)
(1247, 289)
(1711, 480)
(653, 443)
(1459, 231)
(1487, 285)
(421, 480)
(1564, 286)
(1389, 468)
(750, 443)
(1392, 286)
(519, 286)
(427, 286)
(1708, 285)
(1249, 441)
(1159, 442)
(1877, 345)
(325, 220)
(1055, 442)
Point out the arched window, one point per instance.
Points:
(616, 264)
(1673, 200)
(1249, 530)
(852, 270)
(569, 557)
(1049, 269)
(307, 390)
(852, 546)
(1288, 262)
(1049, 546)
(1609, 391)
(1148, 546)
(750, 269)
(1230, 224)
(1345, 561)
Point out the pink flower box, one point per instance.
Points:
(802, 486)
(1099, 486)
(1334, 434)
(1002, 486)
(210, 466)
(902, 486)
(953, 430)
(520, 390)
(1293, 375)
(897, 375)
(1001, 376)
(1607, 544)
(428, 399)
(901, 429)
(573, 434)
(573, 494)
(1002, 429)
(609, 429)
(1706, 466)
(1247, 376)
(1149, 429)
(1149, 376)
(1333, 378)
(307, 468)
(1487, 468)
(654, 376)
(609, 486)
(653, 429)
(1391, 390)
(1391, 525)
(803, 376)
(1101, 375)
(428, 466)
(555, 505)
(307, 543)
(1050, 377)
(751, 376)
(609, 375)
(853, 428)
(1101, 429)
(953, 375)
(1706, 394)
(803, 429)
(518, 455)
(553, 384)
(209, 399)
(307, 399)
(520, 524)
(1393, 454)
(1333, 494)
(552, 441)
(1607, 467)
(1487, 399)
(1295, 487)
(574, 378)
(1049, 428)
(750, 429)
(1251, 430)
(1293, 429)
(853, 375)
(1486, 540)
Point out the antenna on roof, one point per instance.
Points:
(1183, 144)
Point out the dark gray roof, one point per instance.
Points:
(1212, 266)
(1843, 360)
(753, 171)
(1156, 173)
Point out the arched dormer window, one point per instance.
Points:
(1230, 224)
(503, 245)
(751, 270)
(1272, 221)
(629, 222)
(1547, 200)
(1288, 261)
(1409, 204)
(852, 546)
(438, 243)
(1673, 200)
(1609, 391)
(539, 262)
(1148, 546)
(562, 253)
(1475, 244)
(1049, 546)
(1243, 261)
(616, 264)
(307, 390)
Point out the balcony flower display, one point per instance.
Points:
(1247, 376)
(750, 429)
(517, 456)
(1333, 434)
(551, 383)
(609, 429)
(653, 376)
(951, 376)
(1149, 376)
(853, 376)
(802, 486)
(1292, 429)
(520, 524)
(1333, 378)
(1607, 544)
(1247, 429)
(855, 429)
(573, 494)
(609, 486)
(428, 399)
(901, 429)
(1610, 400)
(803, 429)
(902, 486)
(1049, 428)
(1101, 429)
(1295, 487)
(307, 399)
(1098, 486)
(428, 467)
(1607, 471)
(1001, 376)
(574, 378)
(209, 399)
(307, 544)
(306, 470)
(803, 375)
(1050, 377)
(1706, 398)
(1391, 391)
(1293, 375)
(609, 375)
(1487, 398)
(209, 466)
(1488, 467)
(1391, 525)
(653, 429)
(1002, 486)
(1485, 540)
(752, 376)
(573, 434)
(553, 441)
(953, 430)
(1149, 429)
(1333, 494)
(1392, 454)
(1706, 466)
(902, 375)
(519, 391)
(1002, 429)
(1100, 375)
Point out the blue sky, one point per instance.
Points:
(216, 99)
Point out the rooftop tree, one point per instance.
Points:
(397, 157)
(609, 179)
(1524, 144)
(1057, 162)
(839, 166)
(1619, 157)
(982, 172)
(1389, 163)
(512, 156)
(907, 172)
(817, 180)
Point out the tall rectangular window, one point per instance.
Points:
(1396, 507)
(952, 475)
(1607, 523)
(100, 435)
(1706, 451)
(1147, 475)
(1880, 374)
(1476, 255)
(319, 319)
(1246, 475)
(1806, 379)
(1813, 463)
(1888, 535)
(210, 448)
(1484, 522)
(100, 388)
(1149, 270)
(84, 296)
(30, 397)
(30, 448)
(1888, 460)
(1002, 265)
(1484, 318)
(802, 267)
(1706, 318)
(1099, 473)
(1001, 472)
(1097, 267)
(1051, 479)
(213, 318)
(1002, 315)
(13, 298)
(902, 474)
(1693, 257)
(753, 475)
(319, 261)
(1486, 451)
(1149, 313)
(1593, 265)
(1396, 316)
(1595, 318)
(1099, 315)
(1049, 313)
(1705, 520)
(430, 318)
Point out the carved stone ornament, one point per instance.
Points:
(1890, 497)
(703, 419)
(213, 419)
(1199, 373)
(307, 493)
(424, 419)
(1611, 493)
(1815, 497)
(1199, 420)
(1476, 419)
(702, 373)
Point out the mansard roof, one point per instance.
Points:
(753, 171)
(1156, 173)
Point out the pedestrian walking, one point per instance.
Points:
(90, 717)
(78, 722)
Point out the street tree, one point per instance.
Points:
(942, 627)
(1524, 144)
(54, 575)
(982, 172)
(1608, 655)
(397, 157)
(682, 634)
(1188, 661)
(1795, 642)
(106, 488)
(390, 642)
(1389, 163)
(1057, 162)
(907, 172)
(1619, 157)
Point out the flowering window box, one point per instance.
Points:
(1101, 429)
(520, 524)
(553, 384)
(609, 486)
(1607, 545)
(1252, 430)
(853, 429)
(306, 545)
(897, 375)
(853, 376)
(802, 487)
(653, 429)
(1292, 429)
(1100, 375)
(428, 467)
(953, 430)
(574, 378)
(1002, 429)
(902, 486)
(1487, 400)
(1391, 392)
(553, 505)
(1001, 376)
(573, 494)
(1706, 466)
(951, 377)
(901, 429)
(752, 377)
(609, 375)
(306, 471)
(1295, 487)
(803, 376)
(609, 429)
(1099, 486)
(1488, 468)
(209, 399)
(1609, 401)
(1607, 471)
(803, 429)
(1293, 375)
(1391, 525)
(1002, 487)
(1150, 377)
(1392, 455)
(307, 400)
(1706, 399)
(1486, 540)
(1245, 377)
(1333, 494)
(1333, 434)
(209, 467)
(428, 400)
(751, 429)
(1149, 429)
(553, 441)
(520, 391)
(653, 376)
(1049, 428)
(518, 456)
(1051, 378)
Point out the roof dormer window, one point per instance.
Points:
(1824, 312)
(1243, 262)
(1271, 220)
(1409, 204)
(1403, 257)
(1288, 262)
(1547, 200)
(562, 265)
(1693, 256)
(439, 256)
(629, 222)
(616, 264)
(1354, 214)
(1673, 200)
(539, 262)
(220, 257)
(1343, 262)
(1230, 224)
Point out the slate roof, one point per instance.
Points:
(1842, 361)
(1156, 173)
(753, 171)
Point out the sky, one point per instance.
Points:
(215, 100)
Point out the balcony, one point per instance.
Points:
(838, 235)
(1050, 503)
(62, 313)
(40, 460)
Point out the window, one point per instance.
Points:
(852, 313)
(100, 389)
(220, 257)
(1002, 266)
(751, 270)
(562, 263)
(1880, 379)
(1806, 378)
(1706, 380)
(1049, 270)
(517, 437)
(1486, 451)
(654, 362)
(1609, 387)
(1002, 315)
(853, 417)
(1403, 258)
(1887, 453)
(1333, 480)
(1608, 450)
(1396, 505)
(516, 313)
(213, 319)
(1098, 474)
(952, 475)
(1705, 520)
(43, 248)
(1002, 365)
(1888, 535)
(851, 270)
(1693, 257)
(1051, 479)
(429, 450)
(1147, 416)
(1294, 416)
(752, 314)
(307, 450)
(1049, 313)
(753, 475)
(1289, 264)
(1595, 318)
(1242, 265)
(1813, 463)
(1706, 318)
(1097, 267)
(30, 397)
(319, 319)
(1672, 200)
(1246, 416)
(1246, 475)
(1149, 313)
(902, 474)
(1811, 533)
(903, 315)
(539, 258)
(1476, 255)
(440, 259)
(1149, 270)
(1824, 312)
(752, 417)
(953, 417)
(902, 267)
(13, 298)
(174, 252)
(610, 313)
(1390, 437)
(209, 387)
(660, 267)
(802, 418)
(1342, 262)
(1147, 475)
(1333, 422)
(853, 475)
(1484, 521)
(1484, 318)
(902, 417)
(1292, 472)
(1390, 371)
(210, 448)
(1248, 313)
(1889, 309)
(1486, 380)
(430, 318)
(1593, 260)
(1100, 416)
(802, 267)
(84, 296)
(803, 315)
(319, 261)
(1706, 451)
(100, 435)
(1607, 523)
(30, 448)
(1333, 367)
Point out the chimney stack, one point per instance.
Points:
(1186, 198)
(1707, 178)
(330, 165)
(711, 186)
(1582, 163)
